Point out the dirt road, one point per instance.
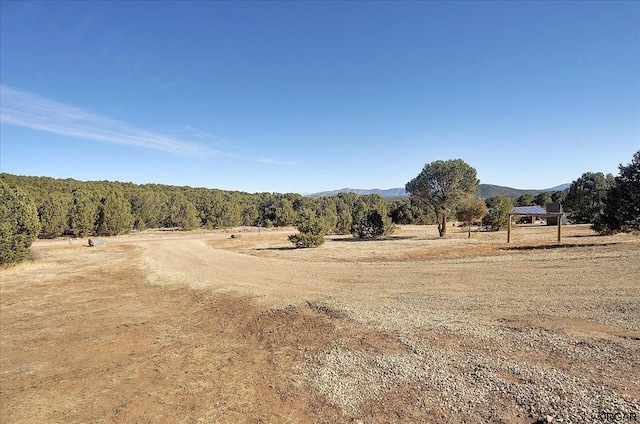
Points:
(200, 327)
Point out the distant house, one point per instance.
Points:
(538, 214)
(529, 214)
(553, 215)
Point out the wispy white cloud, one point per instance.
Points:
(31, 111)
(212, 138)
(202, 134)
(196, 132)
(275, 161)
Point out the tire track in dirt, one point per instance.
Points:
(265, 339)
(196, 264)
(104, 346)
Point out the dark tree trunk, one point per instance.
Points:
(442, 228)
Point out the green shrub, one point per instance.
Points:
(469, 210)
(372, 225)
(497, 215)
(312, 230)
(302, 240)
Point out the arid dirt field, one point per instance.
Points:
(199, 327)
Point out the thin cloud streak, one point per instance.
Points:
(199, 133)
(30, 111)
(275, 162)
(215, 139)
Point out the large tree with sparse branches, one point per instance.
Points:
(441, 185)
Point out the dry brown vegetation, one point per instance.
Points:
(202, 327)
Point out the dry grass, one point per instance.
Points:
(200, 327)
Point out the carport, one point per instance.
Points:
(535, 211)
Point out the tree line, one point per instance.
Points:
(68, 207)
(48, 208)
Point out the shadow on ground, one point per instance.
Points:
(276, 248)
(559, 246)
(356, 239)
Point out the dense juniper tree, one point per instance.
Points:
(19, 225)
(82, 214)
(409, 211)
(114, 214)
(326, 209)
(497, 215)
(53, 215)
(311, 230)
(277, 210)
(181, 213)
(542, 199)
(344, 206)
(525, 200)
(470, 210)
(249, 214)
(621, 210)
(228, 212)
(370, 218)
(149, 206)
(585, 197)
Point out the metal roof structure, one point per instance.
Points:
(536, 211)
(528, 210)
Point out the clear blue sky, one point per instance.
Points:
(311, 96)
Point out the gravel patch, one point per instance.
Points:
(468, 368)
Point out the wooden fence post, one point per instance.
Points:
(560, 229)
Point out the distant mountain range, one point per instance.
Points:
(490, 190)
(485, 190)
(390, 193)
